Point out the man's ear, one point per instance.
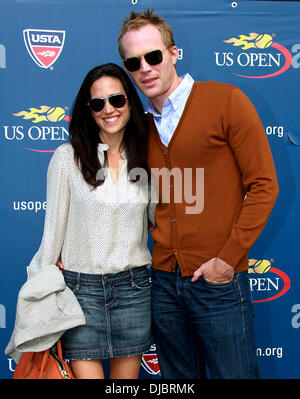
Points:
(174, 52)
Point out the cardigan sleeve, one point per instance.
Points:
(58, 196)
(247, 139)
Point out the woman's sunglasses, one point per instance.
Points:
(116, 100)
(154, 57)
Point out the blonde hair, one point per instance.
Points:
(137, 20)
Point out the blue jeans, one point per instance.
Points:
(201, 324)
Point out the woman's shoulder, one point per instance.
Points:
(62, 157)
(64, 149)
(63, 152)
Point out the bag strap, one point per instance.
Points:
(44, 362)
(59, 349)
(46, 355)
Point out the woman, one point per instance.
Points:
(97, 223)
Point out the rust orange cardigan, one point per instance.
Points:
(221, 134)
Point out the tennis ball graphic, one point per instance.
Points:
(260, 267)
(55, 114)
(263, 41)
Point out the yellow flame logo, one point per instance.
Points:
(259, 266)
(253, 40)
(44, 113)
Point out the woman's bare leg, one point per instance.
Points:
(125, 367)
(87, 369)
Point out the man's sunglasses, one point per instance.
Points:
(116, 100)
(154, 57)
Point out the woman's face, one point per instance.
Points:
(111, 120)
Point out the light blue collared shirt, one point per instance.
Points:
(167, 121)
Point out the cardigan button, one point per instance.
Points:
(106, 277)
(166, 152)
(175, 252)
(173, 220)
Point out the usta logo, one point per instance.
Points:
(44, 46)
(150, 361)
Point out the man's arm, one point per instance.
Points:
(246, 137)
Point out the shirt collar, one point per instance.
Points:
(175, 98)
(104, 147)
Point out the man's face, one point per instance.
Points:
(155, 81)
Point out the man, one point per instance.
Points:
(201, 301)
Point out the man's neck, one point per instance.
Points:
(158, 102)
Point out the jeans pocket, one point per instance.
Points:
(72, 284)
(142, 282)
(227, 283)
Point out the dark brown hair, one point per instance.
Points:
(84, 132)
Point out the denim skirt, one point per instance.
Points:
(117, 308)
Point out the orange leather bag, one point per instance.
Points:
(43, 365)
